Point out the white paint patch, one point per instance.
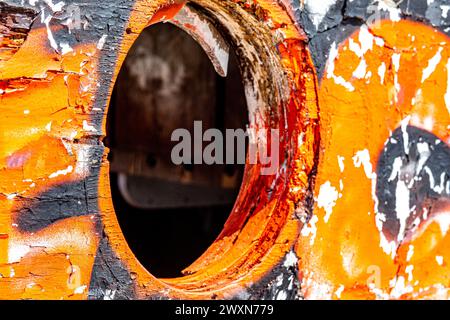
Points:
(88, 127)
(445, 10)
(363, 158)
(444, 223)
(341, 163)
(404, 126)
(49, 32)
(361, 70)
(61, 172)
(328, 195)
(379, 41)
(368, 77)
(55, 7)
(447, 94)
(317, 10)
(290, 260)
(282, 295)
(101, 42)
(16, 252)
(396, 168)
(339, 291)
(402, 195)
(400, 288)
(396, 62)
(310, 229)
(409, 269)
(392, 8)
(424, 154)
(438, 187)
(382, 72)
(80, 289)
(410, 253)
(84, 158)
(65, 48)
(365, 39)
(440, 260)
(402, 208)
(432, 64)
(339, 80)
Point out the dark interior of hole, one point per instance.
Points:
(170, 214)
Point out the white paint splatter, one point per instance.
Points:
(361, 70)
(447, 94)
(310, 229)
(55, 7)
(16, 252)
(399, 288)
(339, 291)
(65, 48)
(382, 72)
(109, 294)
(405, 135)
(328, 195)
(392, 8)
(396, 169)
(432, 64)
(363, 158)
(445, 10)
(410, 253)
(317, 10)
(61, 172)
(444, 222)
(341, 163)
(50, 37)
(80, 289)
(290, 260)
(88, 127)
(409, 269)
(339, 80)
(101, 42)
(396, 62)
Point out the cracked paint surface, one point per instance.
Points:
(361, 250)
(358, 207)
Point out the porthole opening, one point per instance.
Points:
(170, 214)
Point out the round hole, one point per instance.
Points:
(171, 214)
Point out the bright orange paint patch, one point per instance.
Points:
(375, 80)
(44, 101)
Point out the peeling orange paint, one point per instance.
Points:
(332, 135)
(346, 248)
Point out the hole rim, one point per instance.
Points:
(284, 78)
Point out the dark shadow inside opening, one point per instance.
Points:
(170, 214)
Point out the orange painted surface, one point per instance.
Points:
(374, 81)
(43, 106)
(260, 231)
(342, 249)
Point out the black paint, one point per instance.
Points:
(422, 196)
